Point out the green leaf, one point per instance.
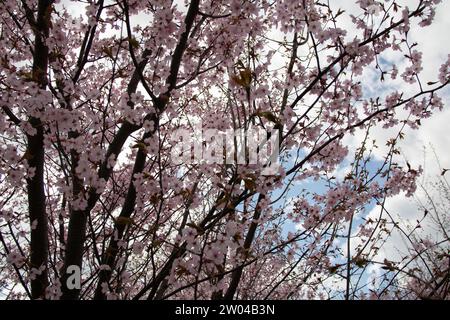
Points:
(269, 116)
(141, 146)
(108, 52)
(250, 184)
(361, 262)
(124, 221)
(196, 227)
(244, 79)
(333, 269)
(133, 42)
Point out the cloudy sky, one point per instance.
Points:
(417, 147)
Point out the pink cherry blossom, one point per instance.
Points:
(93, 93)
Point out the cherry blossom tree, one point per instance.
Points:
(423, 271)
(92, 92)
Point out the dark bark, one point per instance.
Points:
(78, 219)
(237, 274)
(127, 209)
(130, 200)
(77, 228)
(35, 150)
